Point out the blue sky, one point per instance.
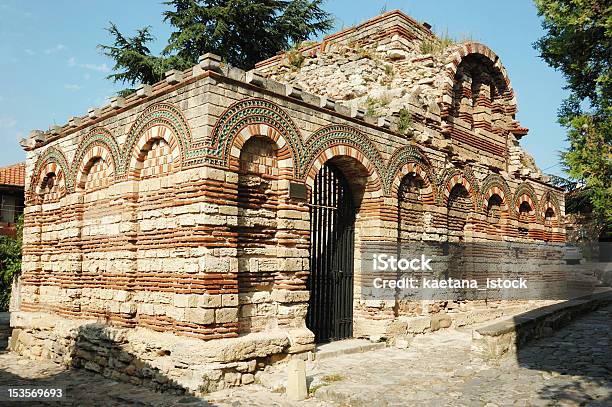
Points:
(50, 68)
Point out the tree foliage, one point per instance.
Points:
(134, 62)
(242, 32)
(10, 263)
(578, 42)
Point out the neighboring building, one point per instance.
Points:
(12, 181)
(217, 221)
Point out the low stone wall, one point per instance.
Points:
(162, 361)
(375, 320)
(505, 338)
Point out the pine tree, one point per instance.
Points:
(242, 32)
(134, 62)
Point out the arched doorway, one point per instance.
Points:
(332, 234)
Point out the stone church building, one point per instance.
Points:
(210, 224)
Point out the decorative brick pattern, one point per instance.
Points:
(157, 160)
(526, 194)
(52, 161)
(246, 114)
(464, 178)
(99, 142)
(160, 120)
(340, 140)
(97, 175)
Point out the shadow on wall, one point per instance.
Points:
(582, 350)
(128, 379)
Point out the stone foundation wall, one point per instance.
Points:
(162, 361)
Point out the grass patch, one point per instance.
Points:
(405, 122)
(372, 104)
(437, 46)
(307, 44)
(327, 379)
(389, 70)
(443, 41)
(294, 55)
(313, 389)
(330, 378)
(295, 58)
(365, 53)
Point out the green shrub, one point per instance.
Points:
(405, 122)
(10, 263)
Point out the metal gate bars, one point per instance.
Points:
(332, 220)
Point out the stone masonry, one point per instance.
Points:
(164, 241)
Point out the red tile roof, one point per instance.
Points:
(13, 175)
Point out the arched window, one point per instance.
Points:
(549, 215)
(494, 209)
(49, 187)
(524, 209)
(410, 205)
(524, 218)
(478, 91)
(458, 206)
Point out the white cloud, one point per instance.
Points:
(97, 68)
(53, 50)
(92, 67)
(7, 122)
(29, 52)
(87, 76)
(72, 87)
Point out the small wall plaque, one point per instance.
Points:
(298, 191)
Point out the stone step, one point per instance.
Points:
(344, 347)
(275, 378)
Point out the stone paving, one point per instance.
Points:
(571, 368)
(91, 390)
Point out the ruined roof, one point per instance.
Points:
(391, 24)
(13, 175)
(390, 57)
(392, 63)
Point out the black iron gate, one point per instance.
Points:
(332, 220)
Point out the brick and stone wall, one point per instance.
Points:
(162, 227)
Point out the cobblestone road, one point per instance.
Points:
(571, 368)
